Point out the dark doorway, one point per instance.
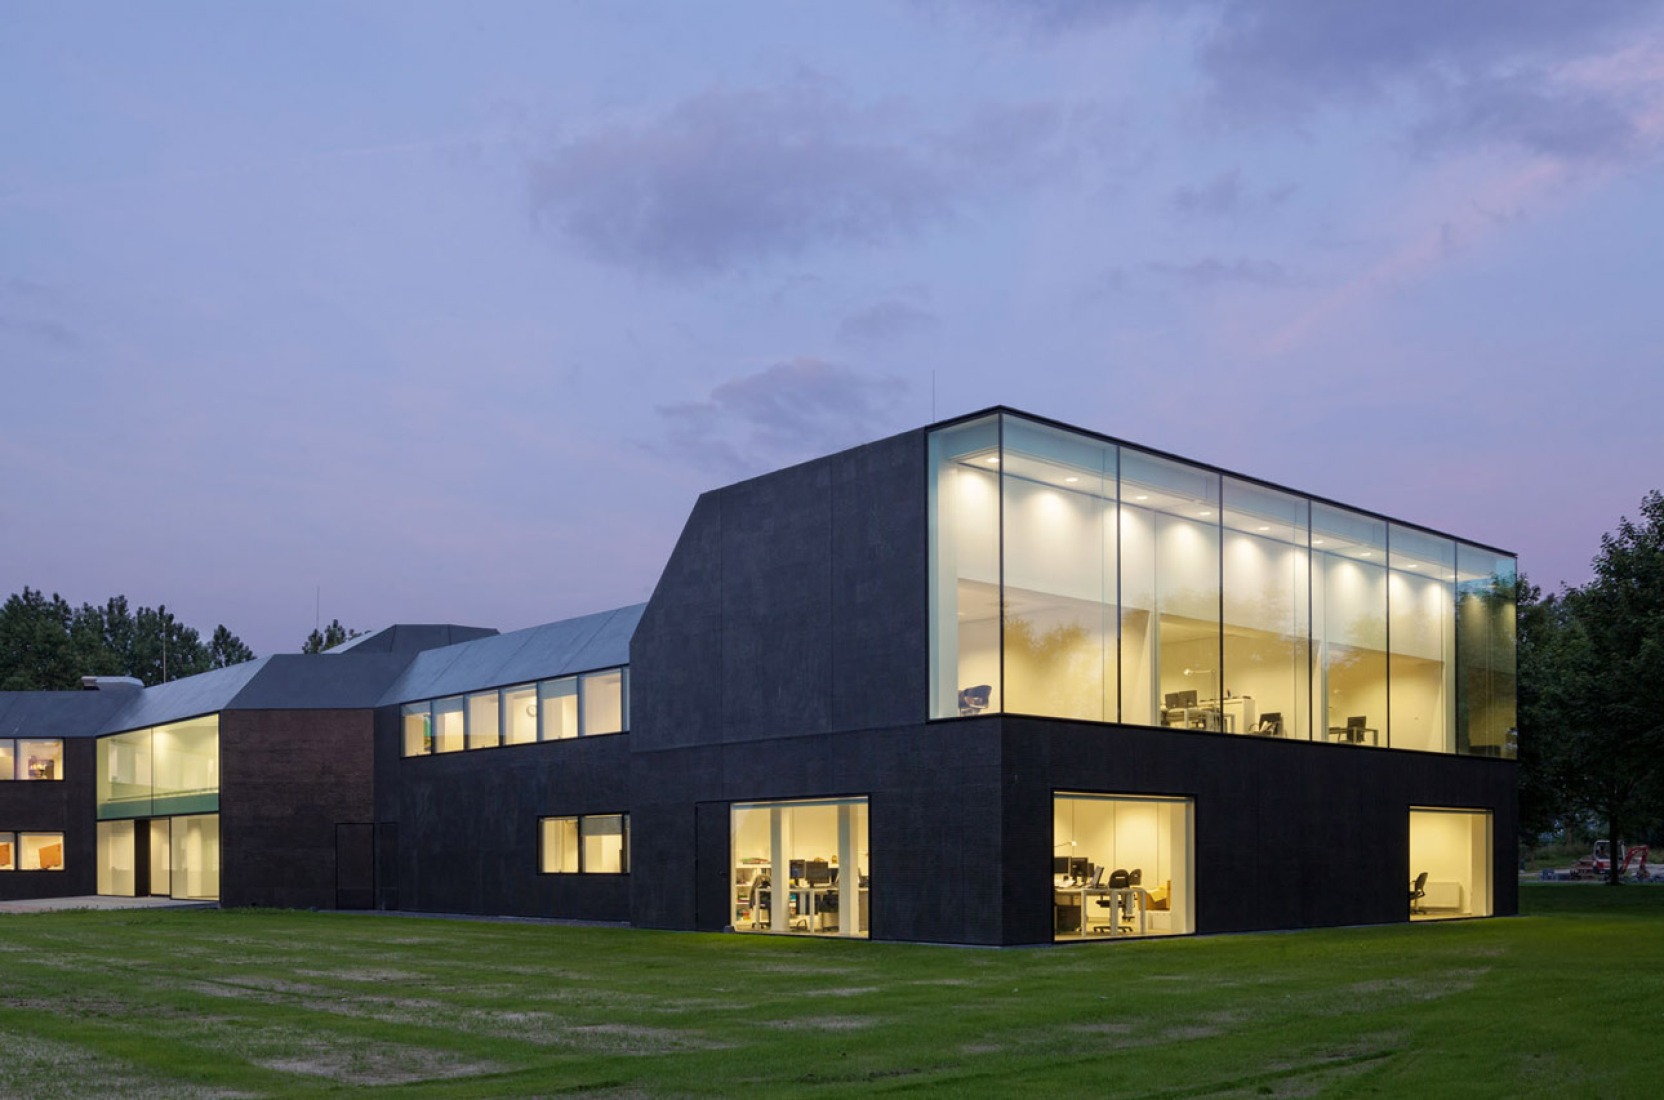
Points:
(355, 865)
(712, 898)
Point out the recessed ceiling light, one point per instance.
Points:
(1204, 512)
(1413, 565)
(1363, 553)
(1071, 480)
(993, 460)
(1317, 542)
(1142, 496)
(1265, 528)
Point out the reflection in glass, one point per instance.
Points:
(1058, 495)
(1267, 603)
(1349, 610)
(1421, 632)
(1485, 692)
(964, 520)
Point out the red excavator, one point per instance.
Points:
(1632, 862)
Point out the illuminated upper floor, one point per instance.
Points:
(1075, 577)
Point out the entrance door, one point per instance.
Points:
(712, 900)
(355, 865)
(159, 881)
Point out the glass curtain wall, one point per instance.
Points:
(1267, 609)
(1121, 866)
(117, 864)
(195, 864)
(1349, 619)
(1421, 636)
(801, 866)
(1075, 578)
(1485, 677)
(1171, 657)
(964, 511)
(1450, 863)
(1058, 506)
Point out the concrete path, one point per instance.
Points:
(95, 901)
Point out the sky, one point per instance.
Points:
(419, 312)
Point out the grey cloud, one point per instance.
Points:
(47, 332)
(1214, 272)
(783, 414)
(885, 320)
(727, 178)
(1568, 124)
(1224, 196)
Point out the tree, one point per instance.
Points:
(331, 636)
(1598, 690)
(46, 645)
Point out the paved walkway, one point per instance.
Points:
(96, 901)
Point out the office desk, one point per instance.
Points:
(811, 907)
(1234, 714)
(1116, 896)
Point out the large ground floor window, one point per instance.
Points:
(1121, 866)
(175, 857)
(801, 866)
(1450, 863)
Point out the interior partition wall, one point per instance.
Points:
(1075, 577)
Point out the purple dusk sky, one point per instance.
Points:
(447, 312)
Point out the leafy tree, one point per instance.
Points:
(1597, 695)
(328, 638)
(46, 645)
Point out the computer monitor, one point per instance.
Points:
(818, 872)
(796, 869)
(1177, 700)
(1060, 865)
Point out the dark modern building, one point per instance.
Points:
(996, 681)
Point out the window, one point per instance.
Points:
(416, 720)
(594, 844)
(160, 771)
(31, 759)
(557, 708)
(195, 857)
(1121, 866)
(1078, 578)
(448, 725)
(40, 851)
(519, 715)
(484, 730)
(1450, 863)
(801, 866)
(603, 701)
(117, 869)
(8, 851)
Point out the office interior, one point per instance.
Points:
(1121, 866)
(1450, 863)
(801, 867)
(1076, 578)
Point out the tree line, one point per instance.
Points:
(46, 644)
(1591, 693)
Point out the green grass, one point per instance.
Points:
(1566, 1001)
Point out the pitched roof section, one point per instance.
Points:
(204, 693)
(555, 649)
(410, 638)
(59, 713)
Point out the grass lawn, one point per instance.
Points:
(1566, 1001)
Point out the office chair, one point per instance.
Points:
(1418, 891)
(1355, 727)
(1271, 723)
(974, 700)
(1119, 879)
(759, 901)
